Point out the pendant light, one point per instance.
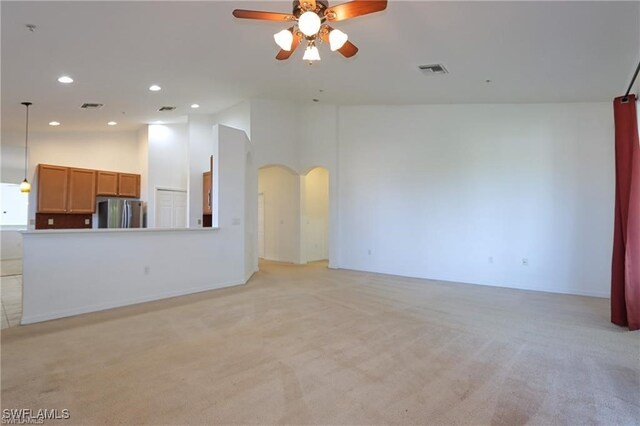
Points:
(25, 186)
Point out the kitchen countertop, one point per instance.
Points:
(113, 230)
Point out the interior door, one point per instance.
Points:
(179, 209)
(164, 208)
(171, 209)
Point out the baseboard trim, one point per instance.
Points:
(573, 292)
(105, 306)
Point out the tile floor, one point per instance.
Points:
(10, 267)
(11, 300)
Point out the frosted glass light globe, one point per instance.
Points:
(25, 186)
(284, 39)
(311, 54)
(309, 23)
(337, 39)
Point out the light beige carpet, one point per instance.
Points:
(303, 345)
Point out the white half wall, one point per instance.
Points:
(469, 192)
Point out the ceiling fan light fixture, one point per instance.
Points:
(311, 53)
(284, 39)
(309, 23)
(337, 39)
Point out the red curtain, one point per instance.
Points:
(625, 273)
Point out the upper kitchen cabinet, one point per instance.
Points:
(128, 185)
(66, 190)
(82, 191)
(52, 189)
(107, 183)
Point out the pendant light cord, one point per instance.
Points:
(26, 138)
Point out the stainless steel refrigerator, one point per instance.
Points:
(121, 213)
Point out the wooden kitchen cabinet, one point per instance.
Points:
(128, 185)
(206, 193)
(66, 190)
(53, 186)
(81, 196)
(106, 183)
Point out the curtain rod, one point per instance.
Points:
(633, 80)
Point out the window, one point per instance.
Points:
(14, 206)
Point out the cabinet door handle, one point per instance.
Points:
(209, 199)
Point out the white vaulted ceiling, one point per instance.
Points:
(199, 53)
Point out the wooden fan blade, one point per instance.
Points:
(348, 50)
(354, 8)
(264, 16)
(283, 54)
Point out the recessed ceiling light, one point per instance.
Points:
(111, 123)
(194, 106)
(54, 123)
(155, 88)
(65, 79)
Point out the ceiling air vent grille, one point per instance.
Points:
(89, 105)
(433, 69)
(167, 108)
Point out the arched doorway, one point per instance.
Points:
(293, 214)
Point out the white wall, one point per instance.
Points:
(168, 166)
(275, 136)
(281, 189)
(143, 161)
(203, 143)
(318, 133)
(314, 222)
(464, 193)
(237, 117)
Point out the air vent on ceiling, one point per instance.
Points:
(433, 69)
(166, 108)
(89, 105)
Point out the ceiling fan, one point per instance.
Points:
(310, 20)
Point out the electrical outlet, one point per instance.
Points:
(87, 221)
(490, 259)
(49, 221)
(199, 221)
(146, 270)
(525, 261)
(369, 252)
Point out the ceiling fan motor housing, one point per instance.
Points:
(321, 6)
